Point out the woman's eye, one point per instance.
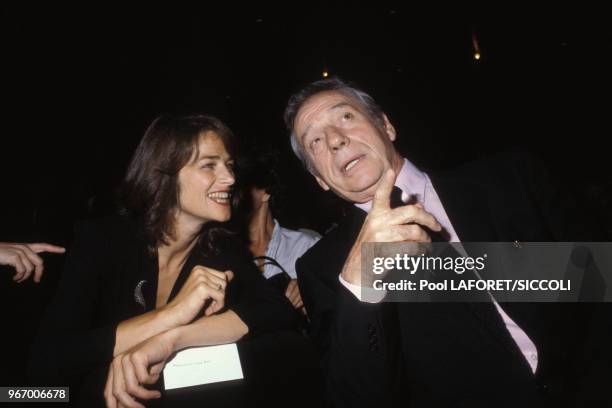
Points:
(208, 166)
(230, 165)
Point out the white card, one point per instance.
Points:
(203, 365)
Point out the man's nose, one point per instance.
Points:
(336, 140)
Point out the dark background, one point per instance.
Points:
(80, 84)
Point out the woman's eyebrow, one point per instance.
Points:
(209, 158)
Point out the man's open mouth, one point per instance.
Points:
(351, 163)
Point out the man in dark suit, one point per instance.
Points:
(432, 354)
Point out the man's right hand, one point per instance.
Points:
(203, 284)
(386, 224)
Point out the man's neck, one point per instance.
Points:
(398, 163)
(261, 227)
(409, 179)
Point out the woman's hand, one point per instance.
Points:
(203, 284)
(142, 365)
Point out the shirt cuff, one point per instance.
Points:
(368, 295)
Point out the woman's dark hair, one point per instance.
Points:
(150, 190)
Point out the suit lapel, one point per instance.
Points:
(467, 206)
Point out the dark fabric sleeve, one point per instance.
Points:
(593, 361)
(69, 344)
(566, 216)
(352, 342)
(570, 220)
(259, 305)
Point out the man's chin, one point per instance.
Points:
(360, 197)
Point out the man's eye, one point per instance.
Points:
(208, 166)
(230, 165)
(314, 142)
(347, 116)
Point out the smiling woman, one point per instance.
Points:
(179, 171)
(163, 276)
(205, 183)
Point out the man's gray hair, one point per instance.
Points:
(297, 100)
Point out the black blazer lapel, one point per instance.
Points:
(490, 318)
(466, 203)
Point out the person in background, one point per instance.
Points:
(275, 248)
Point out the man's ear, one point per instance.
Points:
(323, 184)
(265, 197)
(389, 129)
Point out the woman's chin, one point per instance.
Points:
(223, 217)
(217, 217)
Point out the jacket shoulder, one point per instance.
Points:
(116, 233)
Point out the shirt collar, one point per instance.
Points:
(274, 239)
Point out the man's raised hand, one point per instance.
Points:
(384, 224)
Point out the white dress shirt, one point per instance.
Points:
(286, 246)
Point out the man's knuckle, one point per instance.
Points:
(411, 211)
(414, 229)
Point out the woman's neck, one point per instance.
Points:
(173, 254)
(261, 227)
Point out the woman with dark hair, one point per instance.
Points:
(163, 276)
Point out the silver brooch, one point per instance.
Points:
(138, 297)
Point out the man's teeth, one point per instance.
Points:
(220, 196)
(350, 165)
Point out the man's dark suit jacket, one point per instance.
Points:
(460, 354)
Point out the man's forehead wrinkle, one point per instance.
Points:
(320, 107)
(306, 116)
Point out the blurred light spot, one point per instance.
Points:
(325, 74)
(476, 47)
